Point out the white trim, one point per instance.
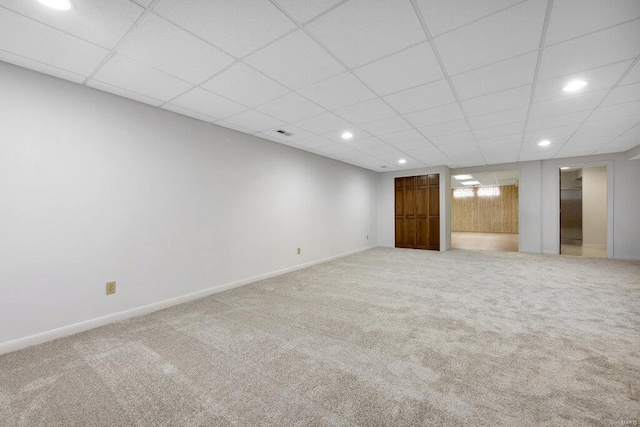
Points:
(20, 343)
(627, 258)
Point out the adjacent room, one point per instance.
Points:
(336, 212)
(484, 211)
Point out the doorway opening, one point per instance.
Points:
(583, 211)
(484, 211)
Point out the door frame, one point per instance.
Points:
(609, 165)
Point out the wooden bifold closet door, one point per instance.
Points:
(418, 212)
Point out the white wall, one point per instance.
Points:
(94, 188)
(386, 204)
(594, 206)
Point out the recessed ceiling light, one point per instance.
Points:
(544, 143)
(402, 161)
(574, 86)
(471, 183)
(57, 4)
(564, 168)
(461, 177)
(347, 135)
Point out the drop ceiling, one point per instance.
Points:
(458, 83)
(488, 179)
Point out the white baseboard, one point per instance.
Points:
(20, 343)
(627, 258)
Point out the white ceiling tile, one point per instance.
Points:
(598, 79)
(499, 118)
(622, 94)
(554, 121)
(409, 68)
(366, 144)
(338, 91)
(323, 123)
(237, 27)
(633, 76)
(128, 74)
(502, 75)
(334, 149)
(336, 135)
(503, 35)
(297, 133)
(254, 120)
(513, 140)
(384, 126)
(623, 143)
(557, 136)
(456, 138)
(245, 85)
(461, 151)
(567, 105)
(30, 39)
(189, 113)
(513, 128)
(164, 46)
(498, 101)
(430, 156)
(291, 108)
(443, 129)
(210, 104)
(124, 93)
(314, 142)
(592, 126)
(501, 157)
(442, 16)
(143, 3)
(402, 136)
(591, 51)
(617, 110)
(99, 22)
(434, 116)
(40, 67)
(304, 10)
(362, 31)
(410, 162)
(572, 18)
(384, 150)
(234, 126)
(422, 97)
(390, 154)
(295, 61)
(414, 145)
(366, 111)
(394, 157)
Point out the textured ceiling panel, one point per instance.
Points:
(432, 82)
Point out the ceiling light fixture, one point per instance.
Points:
(402, 161)
(544, 143)
(461, 177)
(574, 86)
(347, 135)
(471, 183)
(57, 4)
(564, 168)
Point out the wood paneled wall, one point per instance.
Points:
(489, 214)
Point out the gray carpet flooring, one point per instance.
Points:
(384, 337)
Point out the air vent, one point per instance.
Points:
(284, 132)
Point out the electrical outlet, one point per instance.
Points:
(111, 288)
(298, 251)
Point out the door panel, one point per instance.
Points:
(417, 212)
